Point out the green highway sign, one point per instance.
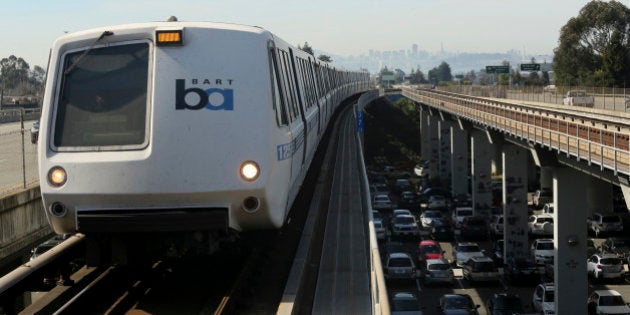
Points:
(530, 67)
(497, 69)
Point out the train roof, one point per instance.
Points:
(164, 25)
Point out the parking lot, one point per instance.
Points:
(480, 292)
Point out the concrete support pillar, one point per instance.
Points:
(514, 160)
(570, 198)
(625, 190)
(599, 196)
(459, 161)
(425, 147)
(481, 152)
(497, 162)
(434, 146)
(546, 177)
(444, 153)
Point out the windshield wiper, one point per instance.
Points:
(76, 62)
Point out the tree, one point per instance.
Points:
(594, 47)
(471, 76)
(324, 58)
(441, 73)
(307, 48)
(14, 71)
(444, 72)
(38, 74)
(417, 77)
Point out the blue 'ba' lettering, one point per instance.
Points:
(204, 97)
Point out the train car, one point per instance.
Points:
(181, 126)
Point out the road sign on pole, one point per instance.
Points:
(530, 67)
(497, 69)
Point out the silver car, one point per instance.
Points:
(400, 266)
(599, 223)
(480, 268)
(438, 271)
(462, 252)
(405, 225)
(381, 202)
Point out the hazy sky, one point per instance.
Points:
(341, 27)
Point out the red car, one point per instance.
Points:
(429, 249)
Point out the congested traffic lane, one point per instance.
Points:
(429, 294)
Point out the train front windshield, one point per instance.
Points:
(102, 102)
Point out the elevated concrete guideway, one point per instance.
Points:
(581, 153)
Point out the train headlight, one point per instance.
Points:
(57, 176)
(250, 171)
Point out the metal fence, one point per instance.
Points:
(18, 155)
(617, 99)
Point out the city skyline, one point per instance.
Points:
(342, 28)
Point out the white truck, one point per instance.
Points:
(579, 98)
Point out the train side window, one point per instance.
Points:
(286, 88)
(276, 82)
(311, 83)
(305, 83)
(291, 87)
(311, 75)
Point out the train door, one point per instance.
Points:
(316, 93)
(300, 102)
(296, 147)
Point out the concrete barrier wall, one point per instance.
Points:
(366, 98)
(22, 220)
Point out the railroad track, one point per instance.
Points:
(245, 276)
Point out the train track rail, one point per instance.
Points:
(591, 135)
(245, 276)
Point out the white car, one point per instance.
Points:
(462, 252)
(605, 266)
(540, 224)
(543, 299)
(607, 302)
(428, 216)
(542, 251)
(405, 225)
(381, 202)
(379, 228)
(459, 214)
(598, 223)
